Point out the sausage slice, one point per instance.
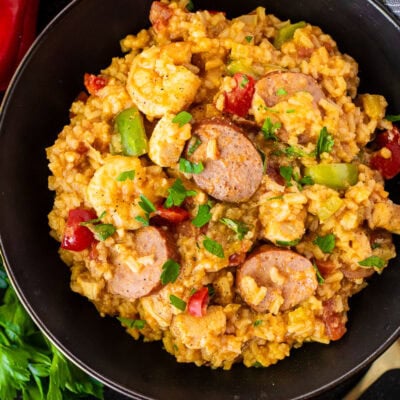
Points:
(279, 86)
(233, 168)
(280, 279)
(138, 265)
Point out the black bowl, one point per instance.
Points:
(83, 39)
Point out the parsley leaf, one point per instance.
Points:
(372, 261)
(203, 216)
(237, 226)
(326, 243)
(257, 322)
(182, 118)
(268, 129)
(93, 221)
(142, 220)
(249, 38)
(286, 173)
(281, 92)
(190, 6)
(213, 247)
(103, 231)
(177, 302)
(288, 243)
(393, 118)
(194, 143)
(189, 167)
(293, 151)
(290, 111)
(123, 176)
(320, 278)
(132, 323)
(325, 142)
(170, 272)
(244, 81)
(146, 205)
(177, 193)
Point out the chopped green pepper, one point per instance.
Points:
(129, 124)
(241, 66)
(286, 33)
(336, 176)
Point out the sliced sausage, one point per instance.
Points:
(279, 86)
(138, 267)
(287, 278)
(233, 168)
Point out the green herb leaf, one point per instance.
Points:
(257, 364)
(375, 246)
(203, 216)
(320, 278)
(263, 159)
(238, 227)
(182, 118)
(213, 247)
(103, 231)
(258, 322)
(325, 142)
(286, 173)
(93, 221)
(281, 92)
(306, 180)
(290, 111)
(123, 176)
(372, 261)
(143, 220)
(249, 38)
(275, 198)
(189, 167)
(244, 81)
(177, 302)
(146, 205)
(293, 151)
(289, 243)
(177, 193)
(326, 243)
(393, 118)
(170, 272)
(190, 6)
(132, 323)
(194, 143)
(268, 129)
(211, 290)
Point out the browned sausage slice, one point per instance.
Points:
(233, 168)
(279, 86)
(280, 279)
(138, 265)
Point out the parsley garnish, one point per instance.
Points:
(320, 278)
(213, 247)
(281, 92)
(132, 323)
(244, 81)
(393, 118)
(182, 118)
(258, 322)
(190, 6)
(257, 364)
(325, 142)
(203, 216)
(325, 243)
(237, 226)
(101, 231)
(194, 143)
(290, 111)
(293, 151)
(249, 38)
(373, 261)
(275, 198)
(93, 221)
(289, 243)
(211, 290)
(268, 129)
(263, 159)
(286, 173)
(375, 246)
(170, 272)
(123, 176)
(177, 302)
(177, 193)
(148, 207)
(189, 167)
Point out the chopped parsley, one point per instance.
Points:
(244, 81)
(293, 151)
(203, 215)
(257, 323)
(211, 290)
(132, 323)
(286, 172)
(170, 272)
(190, 6)
(290, 111)
(123, 176)
(177, 193)
(249, 38)
(269, 129)
(213, 247)
(177, 302)
(194, 143)
(93, 221)
(372, 261)
(148, 207)
(288, 243)
(237, 226)
(101, 231)
(281, 92)
(320, 278)
(393, 118)
(326, 243)
(375, 246)
(263, 159)
(275, 198)
(190, 168)
(325, 142)
(182, 118)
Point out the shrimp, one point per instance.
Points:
(167, 141)
(160, 81)
(119, 199)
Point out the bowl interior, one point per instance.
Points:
(83, 39)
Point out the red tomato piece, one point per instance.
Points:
(388, 167)
(238, 100)
(197, 305)
(77, 237)
(335, 323)
(173, 214)
(94, 83)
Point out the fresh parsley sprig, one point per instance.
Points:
(177, 193)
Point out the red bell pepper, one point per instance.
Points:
(238, 100)
(173, 214)
(17, 32)
(197, 305)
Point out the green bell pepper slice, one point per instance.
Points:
(286, 33)
(336, 176)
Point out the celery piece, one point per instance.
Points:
(286, 33)
(328, 207)
(336, 176)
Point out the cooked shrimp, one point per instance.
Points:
(160, 80)
(120, 199)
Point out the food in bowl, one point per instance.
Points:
(221, 186)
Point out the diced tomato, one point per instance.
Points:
(77, 237)
(173, 214)
(197, 305)
(388, 167)
(94, 83)
(335, 323)
(238, 100)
